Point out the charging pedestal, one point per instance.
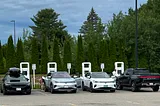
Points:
(86, 67)
(51, 67)
(102, 66)
(119, 68)
(25, 70)
(69, 67)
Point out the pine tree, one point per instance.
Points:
(10, 55)
(34, 54)
(56, 55)
(67, 58)
(93, 58)
(44, 55)
(2, 71)
(19, 53)
(80, 55)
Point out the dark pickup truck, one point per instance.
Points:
(138, 78)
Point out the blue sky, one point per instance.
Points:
(72, 12)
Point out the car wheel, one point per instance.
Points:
(51, 88)
(91, 88)
(155, 88)
(113, 90)
(74, 91)
(28, 92)
(134, 88)
(4, 91)
(119, 86)
(1, 90)
(83, 88)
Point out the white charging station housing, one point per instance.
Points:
(51, 67)
(86, 67)
(119, 67)
(25, 69)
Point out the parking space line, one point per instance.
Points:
(131, 102)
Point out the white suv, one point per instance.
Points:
(98, 81)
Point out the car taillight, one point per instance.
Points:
(149, 77)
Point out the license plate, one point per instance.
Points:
(150, 83)
(65, 86)
(18, 89)
(105, 85)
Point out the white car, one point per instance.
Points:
(98, 81)
(59, 81)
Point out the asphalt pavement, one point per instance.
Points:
(83, 98)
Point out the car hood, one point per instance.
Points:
(63, 79)
(102, 79)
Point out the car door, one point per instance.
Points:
(86, 79)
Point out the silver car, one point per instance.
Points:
(59, 81)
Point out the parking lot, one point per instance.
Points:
(83, 98)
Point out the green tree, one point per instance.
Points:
(80, 55)
(19, 53)
(34, 54)
(2, 71)
(93, 58)
(47, 24)
(44, 56)
(10, 55)
(56, 54)
(67, 58)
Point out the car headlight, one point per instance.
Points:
(96, 81)
(7, 83)
(56, 82)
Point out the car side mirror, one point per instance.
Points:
(27, 79)
(88, 77)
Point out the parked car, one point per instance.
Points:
(59, 81)
(98, 81)
(14, 81)
(138, 78)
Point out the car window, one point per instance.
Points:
(61, 75)
(99, 75)
(141, 71)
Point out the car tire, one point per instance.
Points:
(134, 87)
(28, 92)
(119, 86)
(1, 90)
(51, 88)
(83, 87)
(113, 90)
(91, 88)
(74, 91)
(155, 88)
(4, 91)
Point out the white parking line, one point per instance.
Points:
(72, 104)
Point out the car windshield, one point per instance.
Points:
(20, 77)
(61, 75)
(99, 75)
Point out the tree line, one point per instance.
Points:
(97, 42)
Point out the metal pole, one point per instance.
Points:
(14, 22)
(136, 36)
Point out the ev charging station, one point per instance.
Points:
(119, 68)
(69, 67)
(51, 67)
(86, 67)
(25, 69)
